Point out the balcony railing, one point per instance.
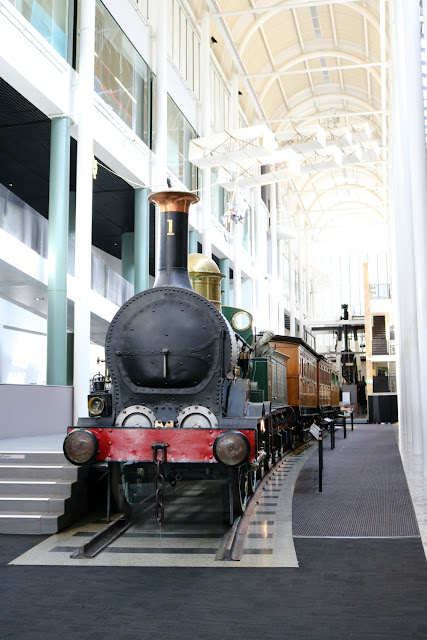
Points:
(29, 227)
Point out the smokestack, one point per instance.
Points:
(172, 269)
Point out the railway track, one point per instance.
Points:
(233, 542)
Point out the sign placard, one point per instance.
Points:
(316, 431)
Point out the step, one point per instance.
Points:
(35, 488)
(29, 523)
(38, 471)
(24, 504)
(33, 457)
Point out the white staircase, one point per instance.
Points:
(40, 492)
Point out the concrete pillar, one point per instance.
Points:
(291, 287)
(205, 52)
(142, 241)
(224, 267)
(192, 241)
(128, 256)
(407, 211)
(59, 193)
(83, 266)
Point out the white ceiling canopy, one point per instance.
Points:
(316, 72)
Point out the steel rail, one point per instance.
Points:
(114, 529)
(233, 541)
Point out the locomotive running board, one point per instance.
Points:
(103, 538)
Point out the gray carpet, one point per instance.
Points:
(343, 590)
(365, 493)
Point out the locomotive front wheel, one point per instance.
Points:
(252, 482)
(117, 489)
(239, 490)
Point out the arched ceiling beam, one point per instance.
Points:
(328, 223)
(322, 97)
(344, 186)
(313, 55)
(323, 176)
(363, 11)
(370, 211)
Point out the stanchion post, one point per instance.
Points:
(352, 420)
(345, 426)
(333, 434)
(320, 463)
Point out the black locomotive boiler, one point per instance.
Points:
(177, 400)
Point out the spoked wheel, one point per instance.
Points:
(239, 490)
(252, 482)
(260, 472)
(117, 489)
(293, 439)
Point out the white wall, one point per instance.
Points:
(34, 410)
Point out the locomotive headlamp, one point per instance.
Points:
(80, 446)
(96, 405)
(232, 448)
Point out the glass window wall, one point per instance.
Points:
(183, 46)
(121, 76)
(180, 132)
(52, 19)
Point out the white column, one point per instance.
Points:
(161, 147)
(161, 144)
(307, 272)
(205, 52)
(291, 287)
(238, 228)
(409, 201)
(409, 14)
(83, 235)
(281, 277)
(261, 259)
(300, 276)
(275, 288)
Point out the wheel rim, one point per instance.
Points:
(239, 491)
(252, 480)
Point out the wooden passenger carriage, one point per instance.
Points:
(313, 389)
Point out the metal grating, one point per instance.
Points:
(365, 493)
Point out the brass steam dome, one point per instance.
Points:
(205, 278)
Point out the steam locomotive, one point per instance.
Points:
(180, 405)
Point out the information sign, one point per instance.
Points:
(315, 431)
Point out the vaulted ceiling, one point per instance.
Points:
(302, 63)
